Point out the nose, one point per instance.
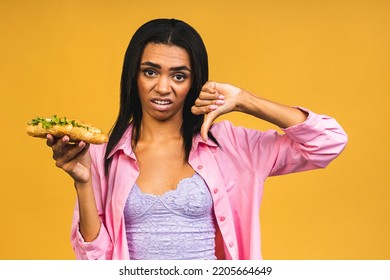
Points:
(163, 85)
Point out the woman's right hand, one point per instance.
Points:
(74, 159)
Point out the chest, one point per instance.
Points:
(161, 168)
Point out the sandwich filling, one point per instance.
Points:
(55, 120)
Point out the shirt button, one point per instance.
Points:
(215, 190)
(200, 167)
(222, 218)
(231, 244)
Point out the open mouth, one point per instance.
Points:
(161, 102)
(161, 105)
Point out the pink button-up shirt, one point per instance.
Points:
(234, 171)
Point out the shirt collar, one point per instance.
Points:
(124, 144)
(198, 140)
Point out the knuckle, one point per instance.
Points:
(71, 172)
(193, 110)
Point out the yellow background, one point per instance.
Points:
(65, 57)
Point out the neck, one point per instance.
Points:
(160, 131)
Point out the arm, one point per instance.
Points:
(76, 161)
(310, 140)
(101, 246)
(217, 99)
(90, 239)
(88, 215)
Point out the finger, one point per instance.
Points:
(206, 102)
(202, 110)
(210, 86)
(59, 146)
(70, 153)
(50, 140)
(208, 95)
(203, 95)
(64, 152)
(208, 121)
(205, 106)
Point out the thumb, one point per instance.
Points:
(208, 121)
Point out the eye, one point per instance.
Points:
(179, 77)
(149, 72)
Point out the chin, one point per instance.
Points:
(164, 117)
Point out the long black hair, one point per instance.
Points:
(161, 31)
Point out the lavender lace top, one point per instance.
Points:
(176, 225)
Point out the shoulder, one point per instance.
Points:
(124, 144)
(222, 127)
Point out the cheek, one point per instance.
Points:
(183, 91)
(142, 86)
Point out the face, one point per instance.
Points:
(164, 79)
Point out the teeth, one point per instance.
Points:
(161, 102)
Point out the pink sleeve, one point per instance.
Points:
(98, 249)
(309, 145)
(101, 247)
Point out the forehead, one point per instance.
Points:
(163, 54)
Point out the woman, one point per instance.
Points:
(169, 184)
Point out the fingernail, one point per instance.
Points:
(219, 102)
(222, 97)
(213, 107)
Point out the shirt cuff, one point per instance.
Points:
(96, 248)
(308, 130)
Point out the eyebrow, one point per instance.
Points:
(177, 68)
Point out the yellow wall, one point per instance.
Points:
(330, 56)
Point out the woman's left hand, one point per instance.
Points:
(216, 99)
